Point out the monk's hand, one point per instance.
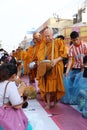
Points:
(54, 62)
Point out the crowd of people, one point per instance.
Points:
(60, 75)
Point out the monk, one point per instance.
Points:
(51, 84)
(32, 55)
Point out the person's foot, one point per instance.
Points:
(47, 107)
(55, 104)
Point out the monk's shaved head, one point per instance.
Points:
(36, 37)
(48, 30)
(48, 34)
(36, 34)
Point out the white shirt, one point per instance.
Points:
(11, 94)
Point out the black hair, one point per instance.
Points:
(85, 59)
(61, 36)
(6, 71)
(8, 59)
(13, 60)
(74, 35)
(1, 49)
(4, 58)
(85, 68)
(12, 69)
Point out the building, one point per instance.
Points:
(79, 24)
(65, 26)
(57, 24)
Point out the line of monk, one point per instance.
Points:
(50, 81)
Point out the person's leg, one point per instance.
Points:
(48, 100)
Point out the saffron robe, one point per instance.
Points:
(32, 56)
(53, 83)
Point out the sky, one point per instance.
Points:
(17, 17)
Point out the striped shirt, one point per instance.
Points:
(78, 52)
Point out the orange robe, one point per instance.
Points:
(32, 56)
(54, 81)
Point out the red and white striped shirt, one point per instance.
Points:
(78, 52)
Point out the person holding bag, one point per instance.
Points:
(50, 81)
(12, 116)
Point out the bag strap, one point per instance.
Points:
(52, 57)
(5, 91)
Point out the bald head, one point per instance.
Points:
(36, 34)
(37, 37)
(48, 34)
